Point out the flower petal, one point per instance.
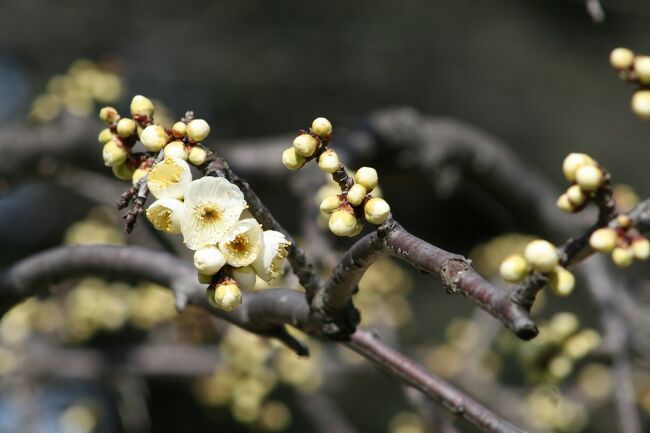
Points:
(242, 245)
(169, 178)
(268, 263)
(166, 215)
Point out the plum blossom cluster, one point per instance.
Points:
(230, 248)
(586, 176)
(634, 68)
(623, 242)
(355, 204)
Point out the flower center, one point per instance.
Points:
(239, 244)
(209, 214)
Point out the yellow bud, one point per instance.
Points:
(197, 155)
(573, 162)
(641, 104)
(123, 171)
(561, 281)
(109, 115)
(138, 174)
(204, 278)
(589, 178)
(209, 260)
(641, 248)
(154, 138)
(291, 159)
(642, 68)
(376, 210)
(105, 136)
(114, 153)
(621, 58)
(305, 144)
(624, 221)
(179, 129)
(330, 204)
(541, 255)
(328, 161)
(357, 229)
(514, 268)
(321, 127)
(142, 106)
(342, 223)
(356, 194)
(603, 240)
(576, 195)
(176, 149)
(226, 295)
(623, 257)
(126, 127)
(197, 130)
(367, 176)
(565, 204)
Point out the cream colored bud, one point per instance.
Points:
(330, 204)
(342, 223)
(197, 130)
(154, 138)
(109, 115)
(291, 159)
(542, 255)
(623, 257)
(179, 129)
(514, 268)
(576, 195)
(565, 204)
(245, 277)
(561, 281)
(105, 136)
(573, 162)
(328, 161)
(357, 229)
(226, 295)
(114, 153)
(621, 58)
(142, 106)
(376, 210)
(197, 155)
(321, 127)
(209, 260)
(138, 174)
(123, 171)
(305, 144)
(641, 248)
(589, 178)
(642, 68)
(126, 127)
(356, 194)
(203, 278)
(603, 240)
(641, 104)
(176, 149)
(367, 176)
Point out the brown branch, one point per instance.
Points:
(141, 193)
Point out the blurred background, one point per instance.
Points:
(104, 356)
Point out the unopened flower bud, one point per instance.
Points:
(514, 268)
(641, 248)
(641, 104)
(321, 127)
(291, 159)
(197, 155)
(123, 171)
(357, 229)
(565, 204)
(114, 153)
(305, 144)
(109, 115)
(197, 130)
(209, 260)
(245, 277)
(642, 68)
(126, 127)
(623, 221)
(621, 58)
(589, 178)
(154, 138)
(138, 174)
(573, 162)
(328, 161)
(561, 281)
(603, 240)
(226, 295)
(105, 136)
(179, 129)
(142, 106)
(356, 194)
(541, 255)
(623, 256)
(203, 278)
(376, 210)
(176, 149)
(367, 176)
(330, 204)
(342, 223)
(576, 195)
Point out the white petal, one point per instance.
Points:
(169, 178)
(242, 245)
(166, 215)
(212, 207)
(245, 277)
(209, 260)
(269, 261)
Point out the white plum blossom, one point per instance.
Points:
(242, 244)
(268, 263)
(170, 178)
(166, 214)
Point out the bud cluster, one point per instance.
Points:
(355, 204)
(634, 68)
(622, 241)
(587, 178)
